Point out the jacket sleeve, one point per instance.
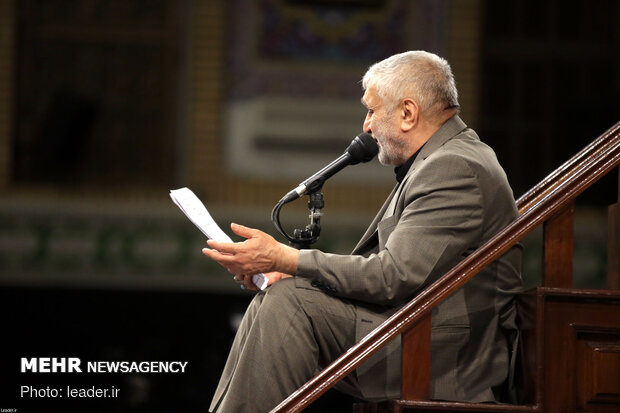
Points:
(441, 219)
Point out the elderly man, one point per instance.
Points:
(451, 196)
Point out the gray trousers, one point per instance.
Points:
(286, 336)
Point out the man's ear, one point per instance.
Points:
(409, 114)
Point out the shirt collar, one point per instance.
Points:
(402, 170)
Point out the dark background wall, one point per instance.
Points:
(551, 84)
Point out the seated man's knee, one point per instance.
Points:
(282, 294)
(283, 287)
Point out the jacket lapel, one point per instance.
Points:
(447, 131)
(372, 228)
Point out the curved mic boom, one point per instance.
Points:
(362, 149)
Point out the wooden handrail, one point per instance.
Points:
(556, 194)
(548, 184)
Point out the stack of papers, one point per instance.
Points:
(195, 210)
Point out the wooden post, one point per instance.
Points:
(613, 243)
(558, 249)
(416, 361)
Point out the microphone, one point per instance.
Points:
(362, 149)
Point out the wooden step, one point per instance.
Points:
(403, 406)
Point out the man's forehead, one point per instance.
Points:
(371, 97)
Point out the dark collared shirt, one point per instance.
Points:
(402, 170)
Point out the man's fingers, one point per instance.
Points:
(242, 231)
(216, 255)
(225, 260)
(248, 283)
(225, 247)
(245, 281)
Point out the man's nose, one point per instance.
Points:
(366, 126)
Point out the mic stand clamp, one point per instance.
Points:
(304, 238)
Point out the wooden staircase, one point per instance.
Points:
(570, 359)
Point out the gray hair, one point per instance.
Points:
(422, 76)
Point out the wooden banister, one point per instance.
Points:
(558, 248)
(546, 201)
(416, 361)
(548, 184)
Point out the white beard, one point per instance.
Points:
(391, 148)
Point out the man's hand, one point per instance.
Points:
(260, 252)
(248, 284)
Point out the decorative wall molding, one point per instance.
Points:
(286, 138)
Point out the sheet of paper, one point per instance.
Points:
(195, 210)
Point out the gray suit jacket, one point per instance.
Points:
(453, 199)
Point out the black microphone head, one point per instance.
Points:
(363, 148)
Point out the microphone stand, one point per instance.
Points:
(362, 149)
(303, 238)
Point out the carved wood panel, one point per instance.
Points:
(598, 368)
(582, 352)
